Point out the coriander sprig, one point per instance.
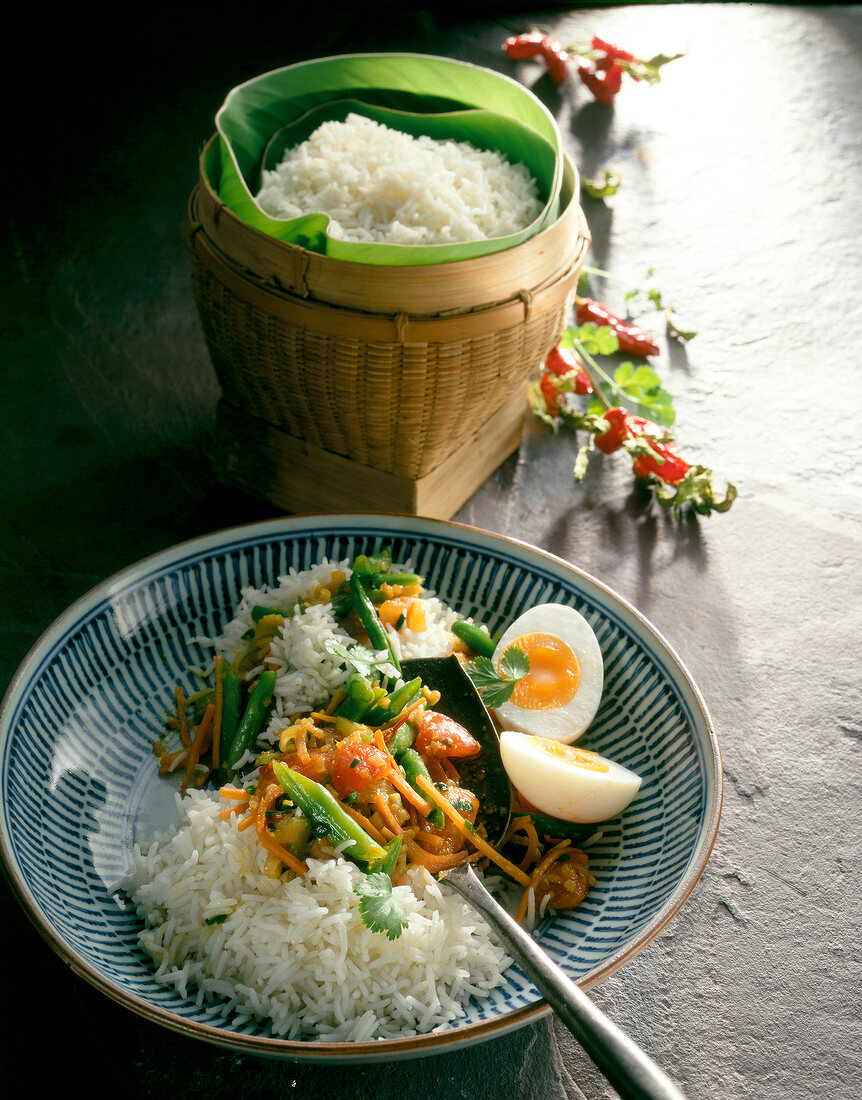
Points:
(494, 686)
(380, 911)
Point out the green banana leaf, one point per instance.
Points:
(482, 129)
(482, 106)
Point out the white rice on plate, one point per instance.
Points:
(379, 184)
(297, 954)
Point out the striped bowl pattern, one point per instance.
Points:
(79, 785)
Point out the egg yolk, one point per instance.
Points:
(554, 673)
(570, 754)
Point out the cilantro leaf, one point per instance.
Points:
(697, 490)
(592, 338)
(496, 687)
(359, 657)
(514, 663)
(640, 390)
(380, 911)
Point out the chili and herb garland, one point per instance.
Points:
(627, 410)
(600, 65)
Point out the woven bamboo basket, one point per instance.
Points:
(391, 372)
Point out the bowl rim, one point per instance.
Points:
(459, 1035)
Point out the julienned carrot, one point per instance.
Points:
(240, 798)
(278, 850)
(170, 761)
(335, 702)
(538, 874)
(202, 734)
(434, 863)
(363, 822)
(238, 794)
(479, 842)
(406, 791)
(526, 826)
(386, 813)
(300, 740)
(429, 840)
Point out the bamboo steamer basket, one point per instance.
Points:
(391, 368)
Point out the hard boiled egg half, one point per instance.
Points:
(561, 693)
(565, 781)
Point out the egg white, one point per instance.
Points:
(564, 788)
(568, 721)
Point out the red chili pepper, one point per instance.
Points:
(612, 440)
(561, 361)
(631, 339)
(667, 467)
(583, 384)
(603, 82)
(550, 394)
(524, 46)
(612, 52)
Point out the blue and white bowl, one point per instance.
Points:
(80, 786)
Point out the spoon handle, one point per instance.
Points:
(629, 1069)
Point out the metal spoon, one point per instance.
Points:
(628, 1068)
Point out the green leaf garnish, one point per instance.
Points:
(590, 338)
(602, 189)
(697, 490)
(640, 390)
(676, 328)
(359, 657)
(496, 687)
(380, 911)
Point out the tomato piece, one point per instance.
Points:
(357, 764)
(440, 735)
(315, 765)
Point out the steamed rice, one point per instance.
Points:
(297, 954)
(379, 184)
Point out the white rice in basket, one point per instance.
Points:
(297, 954)
(379, 184)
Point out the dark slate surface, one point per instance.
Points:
(741, 176)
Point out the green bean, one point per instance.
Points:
(377, 636)
(390, 858)
(403, 580)
(390, 708)
(402, 739)
(231, 706)
(258, 612)
(326, 816)
(477, 639)
(361, 695)
(414, 766)
(256, 712)
(365, 566)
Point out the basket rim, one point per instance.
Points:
(518, 307)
